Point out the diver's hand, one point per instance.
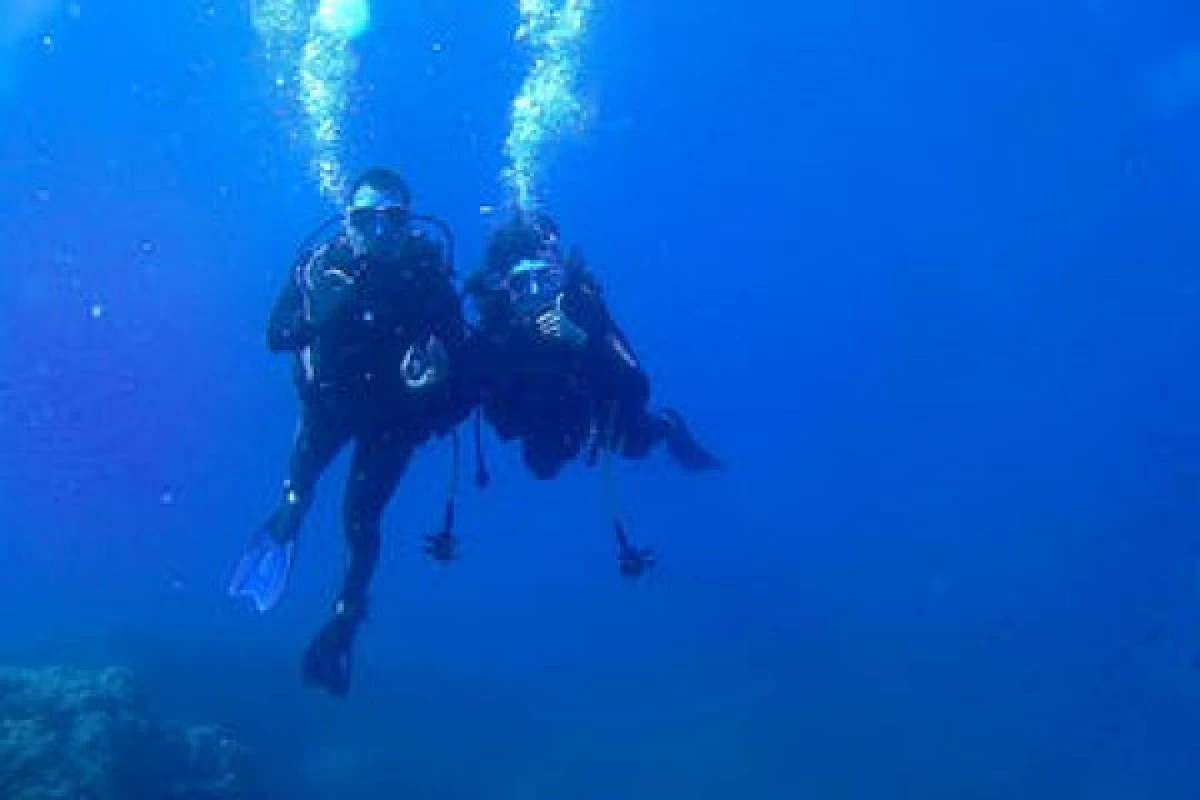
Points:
(326, 294)
(426, 366)
(557, 325)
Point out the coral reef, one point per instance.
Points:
(69, 734)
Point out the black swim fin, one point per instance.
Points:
(327, 661)
(684, 447)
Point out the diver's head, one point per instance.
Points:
(526, 235)
(377, 215)
(534, 286)
(545, 232)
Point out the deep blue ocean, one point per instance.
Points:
(925, 274)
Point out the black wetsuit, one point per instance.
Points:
(351, 385)
(553, 397)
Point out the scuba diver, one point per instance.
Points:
(557, 373)
(375, 326)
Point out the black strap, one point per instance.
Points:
(452, 486)
(482, 476)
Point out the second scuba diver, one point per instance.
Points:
(558, 375)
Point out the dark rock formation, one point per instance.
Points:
(84, 735)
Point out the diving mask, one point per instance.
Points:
(377, 219)
(534, 286)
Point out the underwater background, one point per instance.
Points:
(923, 273)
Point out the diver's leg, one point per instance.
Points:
(319, 437)
(641, 434)
(555, 436)
(668, 427)
(379, 461)
(546, 450)
(262, 572)
(541, 455)
(633, 431)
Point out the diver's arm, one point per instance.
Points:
(438, 312)
(300, 314)
(615, 363)
(287, 329)
(449, 325)
(619, 368)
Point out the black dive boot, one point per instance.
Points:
(327, 660)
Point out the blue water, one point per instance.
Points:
(925, 274)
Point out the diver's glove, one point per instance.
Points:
(555, 324)
(325, 293)
(426, 366)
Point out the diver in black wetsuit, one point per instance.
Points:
(556, 372)
(376, 328)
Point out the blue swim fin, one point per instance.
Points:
(262, 573)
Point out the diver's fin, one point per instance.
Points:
(327, 661)
(262, 573)
(683, 447)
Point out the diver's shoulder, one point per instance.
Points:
(581, 275)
